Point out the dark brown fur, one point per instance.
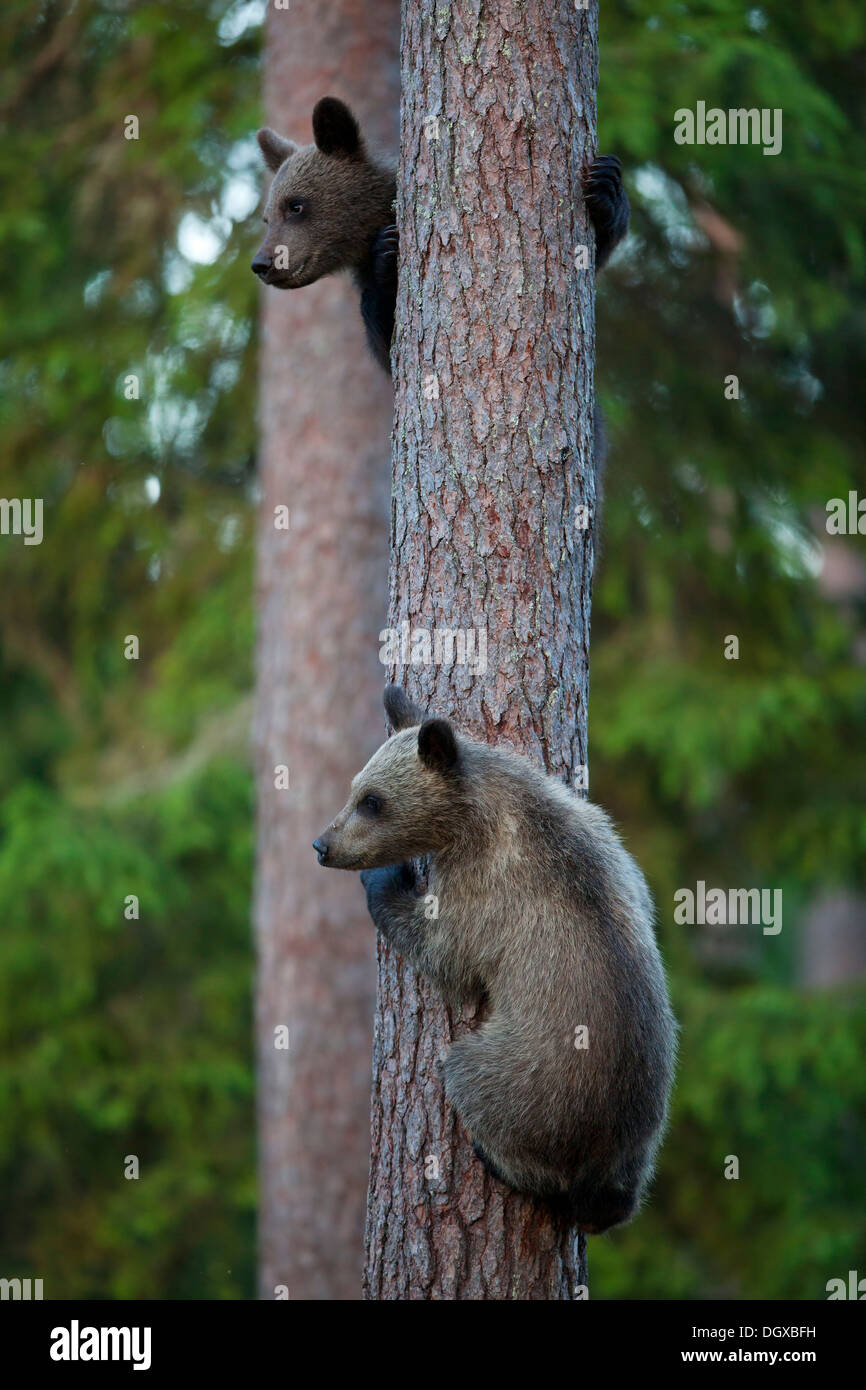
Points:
(330, 208)
(544, 914)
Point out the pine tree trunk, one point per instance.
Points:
(492, 461)
(326, 412)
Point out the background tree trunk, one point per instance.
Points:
(493, 441)
(325, 418)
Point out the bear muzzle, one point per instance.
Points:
(263, 266)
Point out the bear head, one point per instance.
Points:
(326, 203)
(404, 803)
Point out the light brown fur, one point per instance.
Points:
(544, 915)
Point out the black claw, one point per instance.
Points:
(386, 246)
(379, 294)
(607, 204)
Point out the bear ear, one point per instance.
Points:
(437, 745)
(401, 711)
(275, 149)
(335, 129)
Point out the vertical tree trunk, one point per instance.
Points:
(493, 441)
(326, 413)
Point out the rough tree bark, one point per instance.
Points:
(492, 461)
(326, 413)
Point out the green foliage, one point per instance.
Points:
(127, 1037)
(748, 772)
(774, 1079)
(121, 777)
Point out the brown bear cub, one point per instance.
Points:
(331, 207)
(534, 906)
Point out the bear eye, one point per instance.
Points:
(295, 208)
(371, 805)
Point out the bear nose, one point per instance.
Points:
(321, 848)
(260, 266)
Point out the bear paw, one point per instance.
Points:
(386, 247)
(607, 202)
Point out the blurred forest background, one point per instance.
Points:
(128, 257)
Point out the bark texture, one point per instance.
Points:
(492, 459)
(326, 414)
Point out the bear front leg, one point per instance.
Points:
(379, 295)
(398, 912)
(607, 204)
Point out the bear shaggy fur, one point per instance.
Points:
(331, 207)
(546, 921)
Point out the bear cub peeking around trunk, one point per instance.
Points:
(542, 913)
(331, 207)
